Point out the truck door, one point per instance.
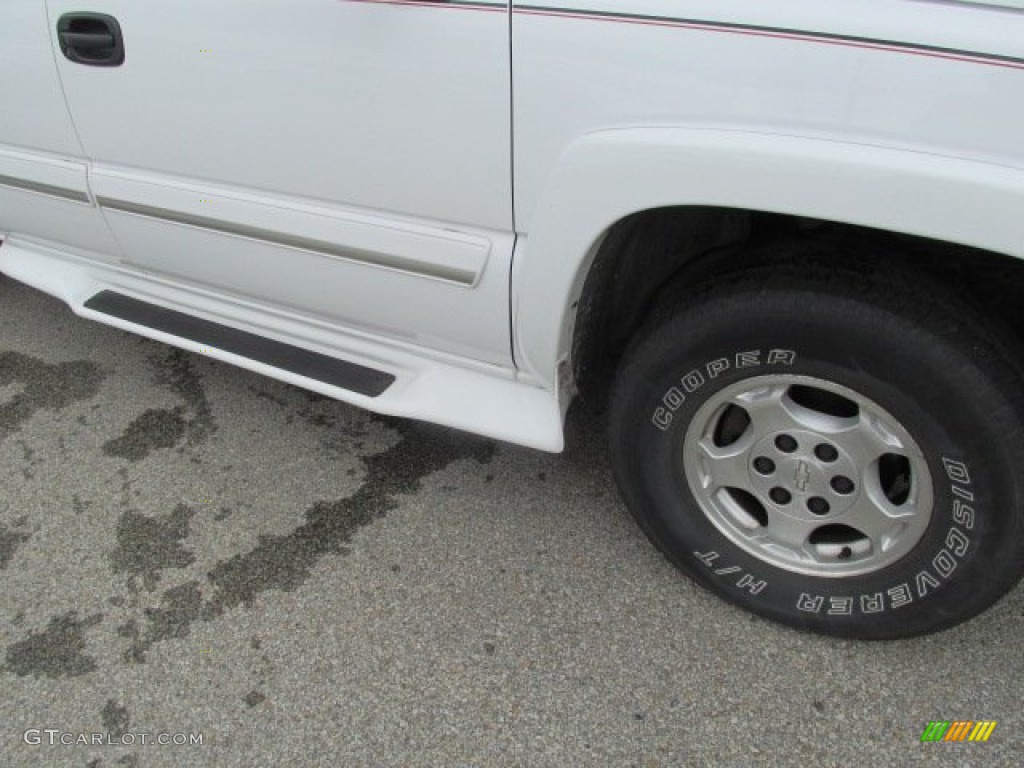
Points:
(44, 195)
(346, 160)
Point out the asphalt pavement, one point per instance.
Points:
(191, 552)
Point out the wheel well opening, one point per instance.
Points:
(652, 257)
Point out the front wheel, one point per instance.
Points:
(837, 453)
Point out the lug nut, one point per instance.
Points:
(818, 505)
(764, 465)
(780, 495)
(786, 443)
(826, 452)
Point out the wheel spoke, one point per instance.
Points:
(879, 520)
(768, 409)
(868, 439)
(724, 466)
(785, 532)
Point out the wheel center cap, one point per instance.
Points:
(803, 474)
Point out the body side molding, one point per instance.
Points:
(466, 277)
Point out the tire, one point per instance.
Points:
(835, 451)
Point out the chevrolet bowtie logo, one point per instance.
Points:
(802, 477)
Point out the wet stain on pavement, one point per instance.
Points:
(29, 458)
(279, 401)
(115, 718)
(57, 651)
(252, 698)
(43, 386)
(175, 371)
(130, 630)
(318, 410)
(155, 429)
(10, 540)
(285, 562)
(179, 607)
(148, 545)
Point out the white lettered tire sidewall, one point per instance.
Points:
(937, 375)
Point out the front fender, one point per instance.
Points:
(605, 176)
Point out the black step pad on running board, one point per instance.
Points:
(312, 365)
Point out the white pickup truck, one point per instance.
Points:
(783, 239)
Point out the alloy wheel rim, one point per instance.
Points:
(808, 475)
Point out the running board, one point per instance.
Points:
(301, 362)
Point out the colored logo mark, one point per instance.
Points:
(958, 730)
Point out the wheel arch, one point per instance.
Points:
(615, 191)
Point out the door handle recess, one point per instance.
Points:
(91, 38)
